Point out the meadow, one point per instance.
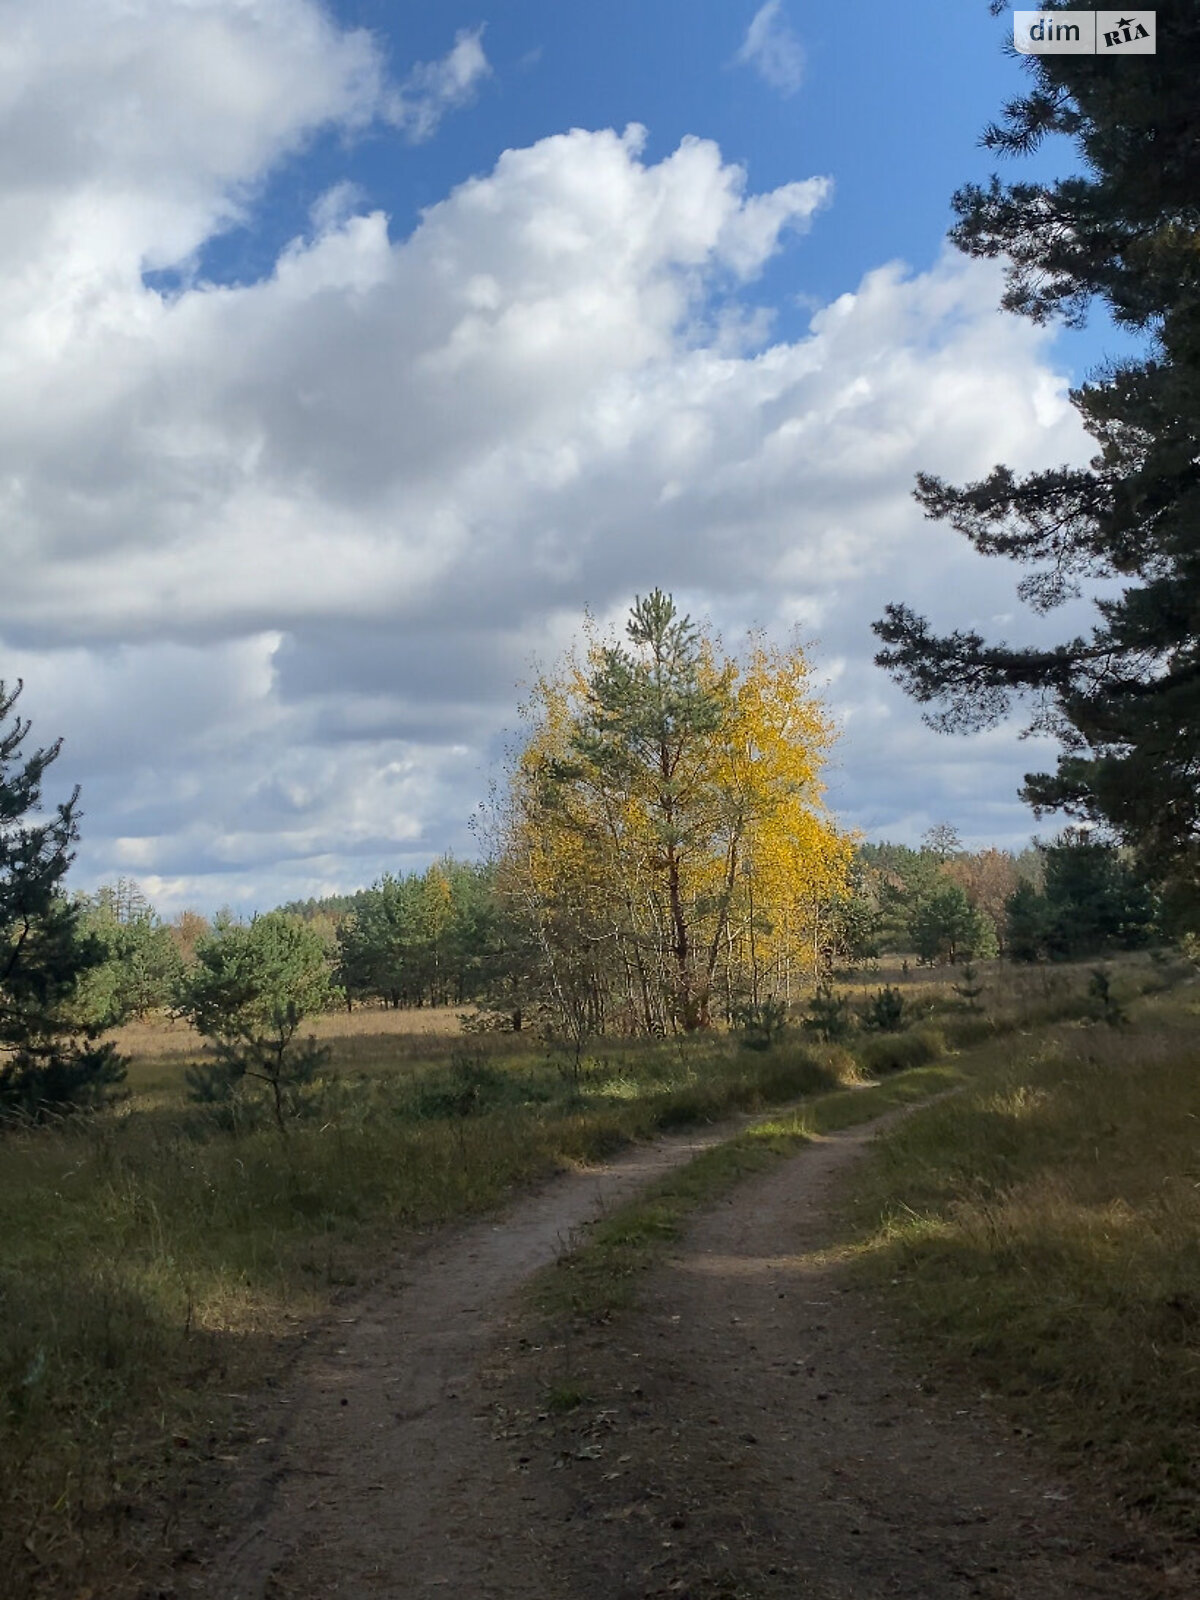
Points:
(160, 1256)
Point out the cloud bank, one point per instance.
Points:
(278, 555)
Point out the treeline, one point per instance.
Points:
(454, 935)
(1071, 898)
(422, 939)
(657, 859)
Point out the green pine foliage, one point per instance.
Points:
(1121, 232)
(434, 938)
(250, 989)
(885, 1012)
(1094, 899)
(760, 1024)
(944, 926)
(969, 989)
(829, 1017)
(140, 961)
(51, 1061)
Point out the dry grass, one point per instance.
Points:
(368, 1039)
(1040, 1236)
(152, 1262)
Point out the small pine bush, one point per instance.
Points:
(898, 1052)
(970, 989)
(760, 1026)
(885, 1012)
(1108, 1008)
(829, 1016)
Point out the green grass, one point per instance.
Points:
(1039, 1238)
(151, 1261)
(599, 1276)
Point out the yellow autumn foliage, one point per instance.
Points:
(665, 824)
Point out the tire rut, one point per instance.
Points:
(384, 1477)
(755, 1434)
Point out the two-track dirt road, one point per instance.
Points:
(751, 1434)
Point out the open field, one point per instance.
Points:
(379, 1040)
(368, 1039)
(158, 1262)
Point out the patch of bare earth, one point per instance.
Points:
(375, 1468)
(750, 1434)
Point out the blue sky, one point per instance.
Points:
(356, 349)
(890, 101)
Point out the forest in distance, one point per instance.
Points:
(658, 860)
(435, 938)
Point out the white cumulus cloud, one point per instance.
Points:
(277, 555)
(434, 88)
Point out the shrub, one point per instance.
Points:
(759, 1025)
(275, 1071)
(248, 991)
(471, 1086)
(898, 1052)
(36, 1085)
(970, 989)
(1107, 1007)
(885, 1012)
(829, 1016)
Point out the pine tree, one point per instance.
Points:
(1092, 900)
(969, 989)
(663, 825)
(249, 990)
(1124, 231)
(944, 926)
(48, 1061)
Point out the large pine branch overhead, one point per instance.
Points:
(1123, 232)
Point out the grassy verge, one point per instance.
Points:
(598, 1277)
(1039, 1238)
(152, 1260)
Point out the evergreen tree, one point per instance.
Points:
(49, 1062)
(1093, 900)
(249, 990)
(944, 926)
(1124, 230)
(1026, 924)
(663, 829)
(140, 961)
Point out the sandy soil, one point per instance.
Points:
(755, 1434)
(750, 1433)
(379, 1471)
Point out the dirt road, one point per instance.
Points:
(750, 1434)
(760, 1438)
(379, 1474)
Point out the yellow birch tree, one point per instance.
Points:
(665, 827)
